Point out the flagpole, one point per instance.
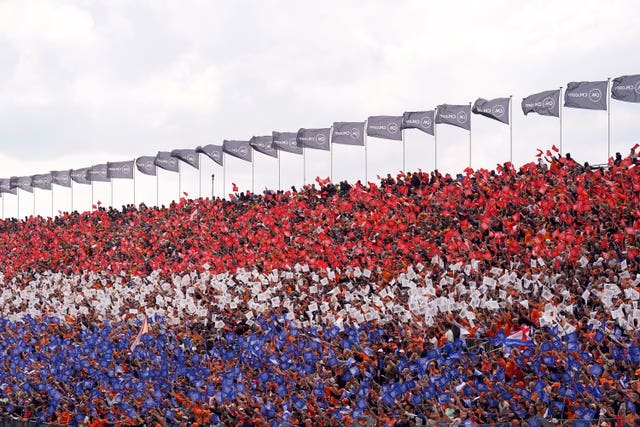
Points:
(52, 200)
(199, 177)
(253, 174)
(179, 181)
(157, 187)
(364, 137)
(71, 182)
(111, 182)
(213, 177)
(34, 202)
(304, 167)
(279, 187)
(18, 193)
(134, 182)
(511, 129)
(404, 152)
(435, 138)
(92, 194)
(560, 116)
(608, 119)
(469, 136)
(224, 175)
(331, 154)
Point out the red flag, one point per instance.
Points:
(554, 148)
(235, 187)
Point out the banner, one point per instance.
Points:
(497, 109)
(122, 170)
(61, 178)
(98, 173)
(544, 103)
(146, 165)
(214, 152)
(455, 115)
(286, 141)
(80, 175)
(5, 186)
(626, 88)
(42, 181)
(262, 144)
(164, 160)
(239, 149)
(187, 155)
(349, 133)
(386, 127)
(317, 139)
(21, 182)
(589, 95)
(422, 120)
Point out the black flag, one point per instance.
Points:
(98, 173)
(455, 115)
(497, 109)
(21, 182)
(286, 141)
(263, 144)
(314, 138)
(239, 149)
(589, 95)
(544, 103)
(122, 170)
(42, 181)
(349, 133)
(164, 160)
(80, 175)
(146, 165)
(422, 120)
(386, 127)
(626, 88)
(214, 152)
(187, 155)
(61, 178)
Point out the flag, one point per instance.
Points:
(626, 88)
(143, 330)
(422, 120)
(286, 141)
(80, 175)
(497, 109)
(120, 169)
(386, 127)
(146, 165)
(589, 95)
(349, 133)
(98, 173)
(164, 160)
(263, 144)
(5, 186)
(544, 103)
(61, 178)
(314, 138)
(42, 181)
(21, 182)
(455, 115)
(239, 149)
(187, 155)
(214, 152)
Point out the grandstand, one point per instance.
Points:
(495, 297)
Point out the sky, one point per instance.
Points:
(85, 82)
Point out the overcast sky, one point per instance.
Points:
(85, 82)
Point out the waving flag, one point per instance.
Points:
(455, 115)
(626, 88)
(164, 160)
(5, 186)
(589, 95)
(286, 141)
(146, 165)
(214, 152)
(349, 133)
(239, 149)
(122, 170)
(314, 138)
(42, 181)
(80, 175)
(544, 103)
(263, 144)
(386, 127)
(61, 178)
(98, 173)
(21, 182)
(187, 155)
(497, 109)
(422, 120)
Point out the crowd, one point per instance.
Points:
(496, 297)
